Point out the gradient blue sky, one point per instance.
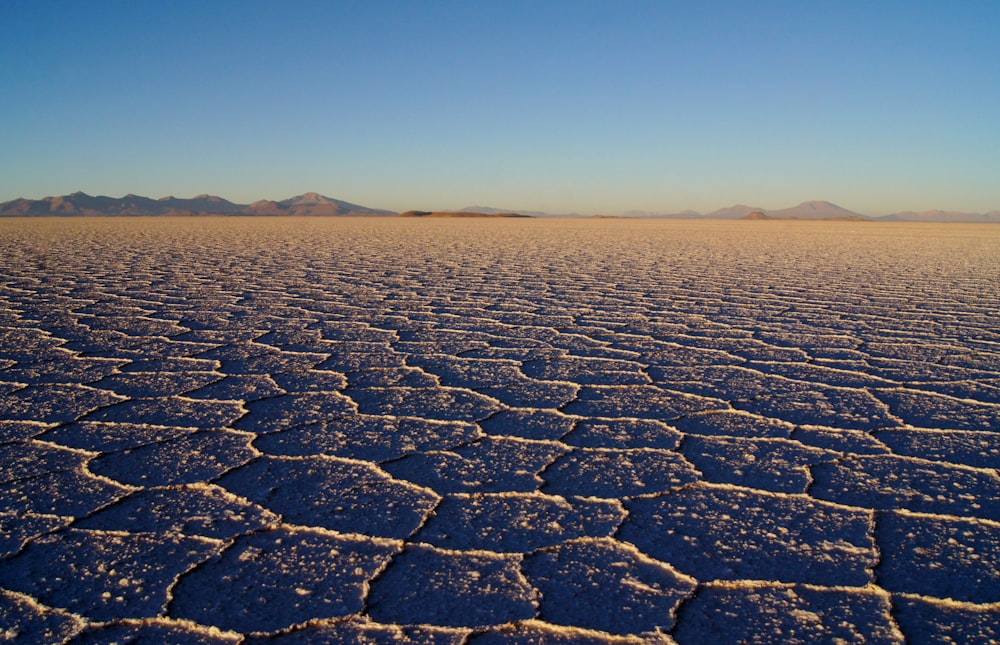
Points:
(559, 106)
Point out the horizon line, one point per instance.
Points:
(634, 212)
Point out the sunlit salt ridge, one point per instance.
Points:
(476, 431)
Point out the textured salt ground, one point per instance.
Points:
(301, 431)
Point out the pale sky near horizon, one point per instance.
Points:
(562, 106)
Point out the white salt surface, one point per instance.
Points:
(481, 431)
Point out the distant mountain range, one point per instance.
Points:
(82, 204)
(314, 204)
(813, 210)
(942, 216)
(820, 210)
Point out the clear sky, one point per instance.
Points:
(594, 107)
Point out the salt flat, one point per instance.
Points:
(473, 431)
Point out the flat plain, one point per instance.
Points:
(265, 430)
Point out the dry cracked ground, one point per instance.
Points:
(573, 431)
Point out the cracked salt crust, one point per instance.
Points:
(498, 431)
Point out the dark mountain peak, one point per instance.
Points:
(316, 204)
(310, 198)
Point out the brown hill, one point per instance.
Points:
(266, 207)
(733, 212)
(458, 214)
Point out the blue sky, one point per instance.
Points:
(594, 107)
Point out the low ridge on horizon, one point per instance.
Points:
(80, 204)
